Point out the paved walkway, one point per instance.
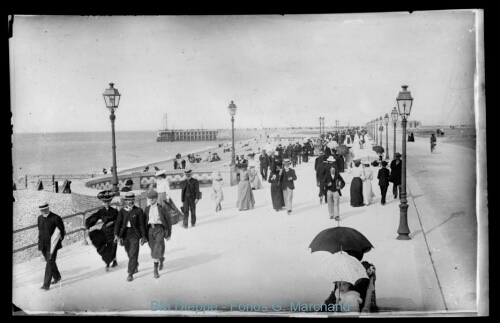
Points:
(245, 261)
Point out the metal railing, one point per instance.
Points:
(83, 214)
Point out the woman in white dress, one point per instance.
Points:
(367, 184)
(253, 174)
(217, 194)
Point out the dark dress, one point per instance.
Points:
(276, 193)
(103, 238)
(357, 187)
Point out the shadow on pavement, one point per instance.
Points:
(452, 215)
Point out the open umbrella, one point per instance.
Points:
(342, 267)
(378, 149)
(332, 144)
(341, 238)
(342, 150)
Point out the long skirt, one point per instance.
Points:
(277, 197)
(175, 214)
(246, 200)
(103, 241)
(305, 158)
(340, 163)
(368, 194)
(356, 192)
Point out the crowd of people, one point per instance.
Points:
(132, 226)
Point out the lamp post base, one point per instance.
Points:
(403, 230)
(403, 237)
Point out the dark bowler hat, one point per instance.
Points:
(397, 155)
(130, 196)
(152, 194)
(106, 195)
(384, 163)
(129, 182)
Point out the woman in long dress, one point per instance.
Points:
(217, 194)
(357, 184)
(276, 190)
(367, 184)
(246, 200)
(103, 238)
(254, 179)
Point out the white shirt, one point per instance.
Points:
(163, 186)
(154, 218)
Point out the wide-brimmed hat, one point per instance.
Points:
(130, 196)
(161, 172)
(129, 182)
(152, 194)
(286, 161)
(357, 160)
(188, 171)
(397, 155)
(43, 206)
(330, 159)
(375, 163)
(106, 195)
(321, 152)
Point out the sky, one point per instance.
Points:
(280, 71)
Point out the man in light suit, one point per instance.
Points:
(159, 227)
(190, 194)
(287, 176)
(129, 229)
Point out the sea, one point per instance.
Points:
(90, 152)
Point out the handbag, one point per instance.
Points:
(199, 195)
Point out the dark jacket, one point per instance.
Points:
(319, 161)
(285, 182)
(125, 189)
(396, 170)
(264, 160)
(336, 183)
(136, 218)
(324, 171)
(164, 218)
(108, 217)
(191, 188)
(383, 176)
(46, 227)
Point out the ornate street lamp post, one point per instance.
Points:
(386, 119)
(112, 99)
(405, 102)
(394, 115)
(381, 128)
(232, 111)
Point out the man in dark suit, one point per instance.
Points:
(190, 194)
(264, 164)
(287, 176)
(129, 229)
(128, 186)
(322, 174)
(395, 176)
(47, 224)
(383, 181)
(159, 225)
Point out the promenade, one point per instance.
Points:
(242, 262)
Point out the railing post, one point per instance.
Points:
(85, 242)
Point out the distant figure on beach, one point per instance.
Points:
(128, 186)
(51, 232)
(217, 193)
(276, 191)
(146, 169)
(190, 194)
(287, 178)
(246, 199)
(159, 227)
(104, 171)
(433, 143)
(103, 238)
(129, 231)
